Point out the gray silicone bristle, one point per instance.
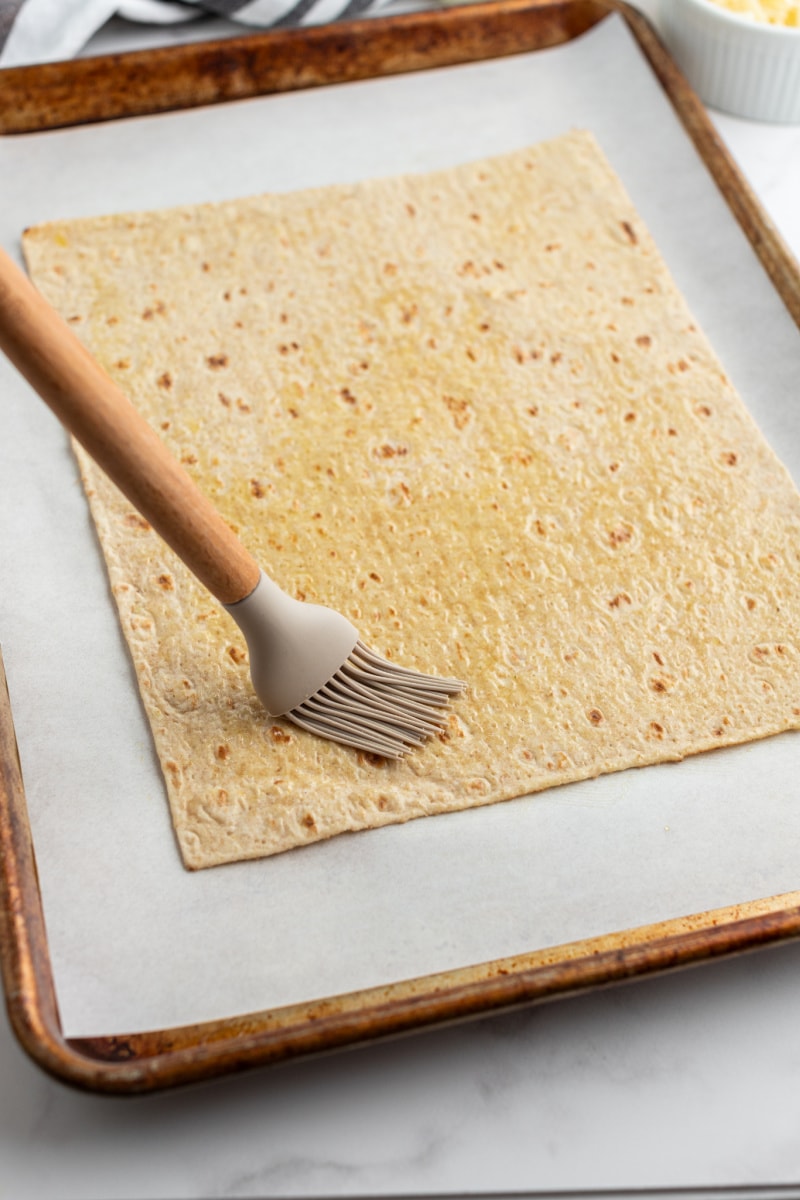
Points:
(376, 706)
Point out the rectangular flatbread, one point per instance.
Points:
(471, 411)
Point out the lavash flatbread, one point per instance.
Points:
(471, 411)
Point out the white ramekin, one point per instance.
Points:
(742, 66)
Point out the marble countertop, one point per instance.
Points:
(689, 1080)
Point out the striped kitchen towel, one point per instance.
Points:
(34, 31)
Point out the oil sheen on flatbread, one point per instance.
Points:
(470, 410)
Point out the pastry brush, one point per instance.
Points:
(307, 662)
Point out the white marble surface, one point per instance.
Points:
(688, 1080)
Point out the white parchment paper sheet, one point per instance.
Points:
(136, 941)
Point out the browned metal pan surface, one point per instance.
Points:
(56, 95)
(148, 81)
(135, 1063)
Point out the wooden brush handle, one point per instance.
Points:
(46, 351)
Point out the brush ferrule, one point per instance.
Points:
(295, 648)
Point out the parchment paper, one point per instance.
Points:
(136, 941)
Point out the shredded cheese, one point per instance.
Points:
(773, 12)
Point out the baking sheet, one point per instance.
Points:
(138, 943)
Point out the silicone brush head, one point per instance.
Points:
(309, 665)
(376, 706)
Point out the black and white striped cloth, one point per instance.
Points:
(34, 31)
